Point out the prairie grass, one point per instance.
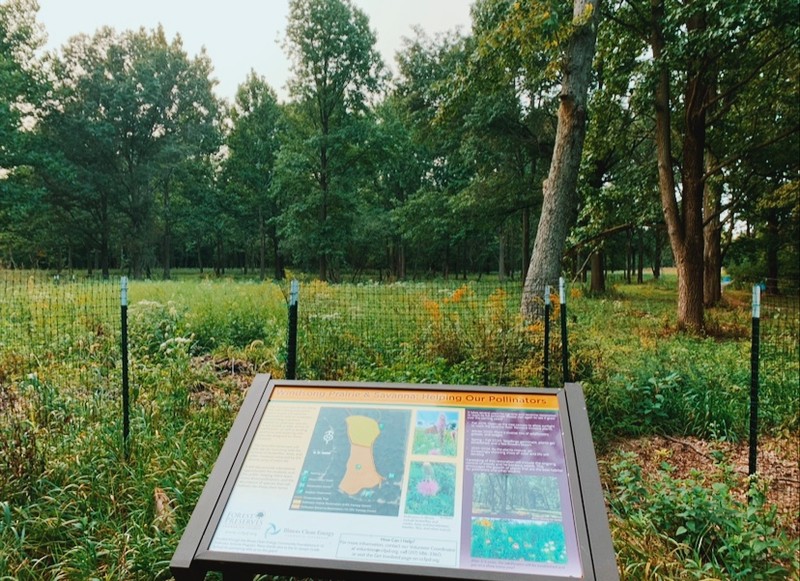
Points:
(73, 507)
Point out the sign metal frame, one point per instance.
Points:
(194, 558)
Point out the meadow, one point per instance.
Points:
(668, 412)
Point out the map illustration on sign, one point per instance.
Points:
(361, 473)
(355, 462)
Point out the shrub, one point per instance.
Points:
(699, 522)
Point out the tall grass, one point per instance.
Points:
(72, 506)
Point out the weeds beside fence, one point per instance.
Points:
(67, 327)
(74, 505)
(382, 331)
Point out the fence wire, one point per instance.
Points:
(779, 380)
(59, 352)
(63, 330)
(475, 326)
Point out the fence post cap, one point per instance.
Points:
(123, 285)
(756, 301)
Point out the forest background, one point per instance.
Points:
(116, 154)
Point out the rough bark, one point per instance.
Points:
(684, 221)
(560, 188)
(598, 284)
(712, 232)
(773, 246)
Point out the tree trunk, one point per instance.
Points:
(105, 237)
(167, 232)
(167, 251)
(684, 222)
(501, 258)
(262, 249)
(657, 252)
(598, 284)
(640, 255)
(773, 245)
(712, 233)
(560, 188)
(629, 256)
(401, 261)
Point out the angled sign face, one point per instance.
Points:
(344, 480)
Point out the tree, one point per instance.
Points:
(336, 69)
(253, 146)
(696, 41)
(399, 174)
(21, 87)
(434, 220)
(502, 97)
(560, 187)
(127, 110)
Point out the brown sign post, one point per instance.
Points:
(350, 480)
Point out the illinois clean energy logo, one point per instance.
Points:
(272, 530)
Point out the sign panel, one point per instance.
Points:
(424, 481)
(462, 480)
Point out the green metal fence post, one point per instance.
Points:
(124, 344)
(754, 350)
(291, 356)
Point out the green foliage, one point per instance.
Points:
(700, 524)
(128, 112)
(71, 506)
(249, 169)
(470, 334)
(336, 69)
(207, 316)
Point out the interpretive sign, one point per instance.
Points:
(345, 480)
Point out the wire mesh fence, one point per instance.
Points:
(776, 378)
(64, 332)
(59, 359)
(61, 329)
(475, 326)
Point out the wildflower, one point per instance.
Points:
(428, 487)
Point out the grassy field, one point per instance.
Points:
(668, 412)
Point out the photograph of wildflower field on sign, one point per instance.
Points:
(436, 433)
(498, 500)
(540, 542)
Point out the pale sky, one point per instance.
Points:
(240, 35)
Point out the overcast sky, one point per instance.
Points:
(240, 35)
